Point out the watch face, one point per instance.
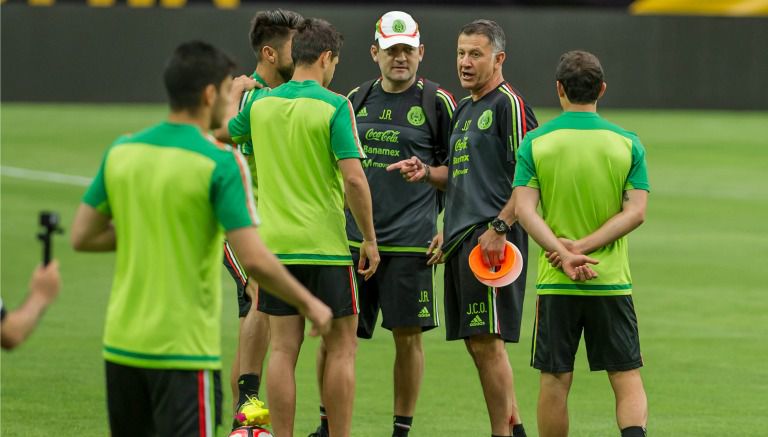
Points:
(499, 225)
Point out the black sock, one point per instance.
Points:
(633, 431)
(518, 430)
(402, 425)
(323, 419)
(248, 385)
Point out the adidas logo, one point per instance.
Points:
(424, 312)
(363, 112)
(477, 321)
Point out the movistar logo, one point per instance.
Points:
(363, 112)
(424, 313)
(367, 163)
(477, 321)
(386, 136)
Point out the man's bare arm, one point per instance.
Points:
(240, 85)
(358, 198)
(414, 170)
(574, 265)
(92, 231)
(632, 215)
(264, 267)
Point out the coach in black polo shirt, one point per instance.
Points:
(488, 127)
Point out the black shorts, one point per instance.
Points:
(610, 333)
(472, 308)
(336, 286)
(403, 288)
(144, 402)
(240, 278)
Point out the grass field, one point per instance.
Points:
(698, 265)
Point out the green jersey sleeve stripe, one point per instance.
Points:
(354, 128)
(231, 259)
(358, 153)
(449, 105)
(518, 131)
(244, 100)
(247, 187)
(449, 97)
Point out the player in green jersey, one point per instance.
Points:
(270, 36)
(307, 158)
(395, 121)
(165, 194)
(590, 178)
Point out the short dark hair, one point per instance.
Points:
(488, 28)
(272, 28)
(315, 37)
(193, 66)
(581, 76)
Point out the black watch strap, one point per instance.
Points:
(500, 226)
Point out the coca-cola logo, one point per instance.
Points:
(386, 136)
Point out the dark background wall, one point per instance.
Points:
(77, 53)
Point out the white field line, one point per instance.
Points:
(44, 176)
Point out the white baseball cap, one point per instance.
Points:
(396, 27)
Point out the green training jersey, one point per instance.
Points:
(169, 190)
(299, 132)
(582, 164)
(246, 147)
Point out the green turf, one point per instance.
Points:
(697, 264)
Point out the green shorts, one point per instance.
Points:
(610, 331)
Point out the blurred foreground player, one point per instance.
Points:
(164, 194)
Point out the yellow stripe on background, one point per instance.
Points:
(141, 3)
(40, 2)
(226, 4)
(101, 3)
(173, 4)
(734, 8)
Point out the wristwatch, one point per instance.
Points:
(500, 226)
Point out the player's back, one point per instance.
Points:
(159, 190)
(582, 164)
(299, 131)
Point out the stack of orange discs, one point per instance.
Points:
(502, 275)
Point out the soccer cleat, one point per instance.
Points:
(252, 413)
(319, 432)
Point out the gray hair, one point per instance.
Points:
(488, 28)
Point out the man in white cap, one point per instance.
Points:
(400, 116)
